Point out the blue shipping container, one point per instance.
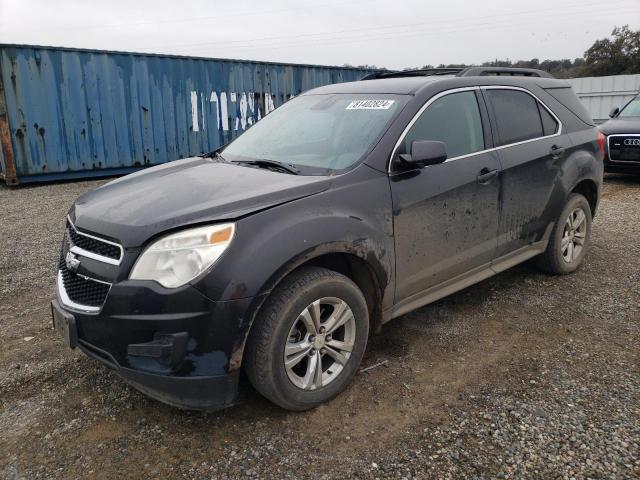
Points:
(72, 113)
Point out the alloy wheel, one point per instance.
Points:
(574, 235)
(319, 343)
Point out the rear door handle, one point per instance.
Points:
(557, 151)
(486, 175)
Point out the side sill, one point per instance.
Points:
(472, 277)
(442, 290)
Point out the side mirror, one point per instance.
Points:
(425, 152)
(614, 112)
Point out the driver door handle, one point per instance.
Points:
(486, 175)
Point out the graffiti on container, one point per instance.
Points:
(231, 110)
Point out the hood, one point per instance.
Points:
(622, 125)
(133, 208)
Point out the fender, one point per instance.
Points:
(580, 164)
(583, 164)
(354, 219)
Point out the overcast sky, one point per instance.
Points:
(389, 33)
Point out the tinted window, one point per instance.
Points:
(570, 100)
(549, 124)
(453, 119)
(517, 115)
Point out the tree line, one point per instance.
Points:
(617, 55)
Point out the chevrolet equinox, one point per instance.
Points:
(348, 206)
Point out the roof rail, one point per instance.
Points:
(462, 72)
(421, 72)
(503, 71)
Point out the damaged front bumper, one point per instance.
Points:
(175, 345)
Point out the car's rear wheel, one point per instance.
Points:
(570, 238)
(308, 339)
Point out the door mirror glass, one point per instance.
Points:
(425, 152)
(614, 112)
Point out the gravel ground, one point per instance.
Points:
(521, 376)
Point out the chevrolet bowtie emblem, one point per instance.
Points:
(72, 262)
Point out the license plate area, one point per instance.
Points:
(65, 324)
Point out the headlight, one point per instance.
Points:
(180, 257)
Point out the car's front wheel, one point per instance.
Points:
(570, 238)
(308, 339)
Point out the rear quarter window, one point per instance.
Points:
(567, 97)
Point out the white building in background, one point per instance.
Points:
(601, 94)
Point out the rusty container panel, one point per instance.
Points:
(70, 113)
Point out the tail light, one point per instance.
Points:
(602, 140)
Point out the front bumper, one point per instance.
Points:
(175, 345)
(621, 167)
(191, 393)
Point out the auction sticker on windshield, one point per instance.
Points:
(370, 105)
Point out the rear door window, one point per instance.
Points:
(517, 116)
(453, 119)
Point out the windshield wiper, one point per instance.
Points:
(271, 164)
(216, 155)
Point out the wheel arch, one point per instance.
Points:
(368, 275)
(588, 188)
(369, 279)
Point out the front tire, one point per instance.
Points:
(308, 339)
(570, 238)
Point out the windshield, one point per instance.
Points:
(317, 134)
(632, 109)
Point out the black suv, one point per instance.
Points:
(348, 206)
(623, 138)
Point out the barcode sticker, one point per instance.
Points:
(370, 105)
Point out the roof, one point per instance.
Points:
(462, 72)
(411, 85)
(397, 86)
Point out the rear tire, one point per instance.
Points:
(570, 238)
(315, 317)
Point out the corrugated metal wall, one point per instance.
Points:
(601, 94)
(67, 113)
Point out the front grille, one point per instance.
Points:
(81, 290)
(92, 245)
(624, 148)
